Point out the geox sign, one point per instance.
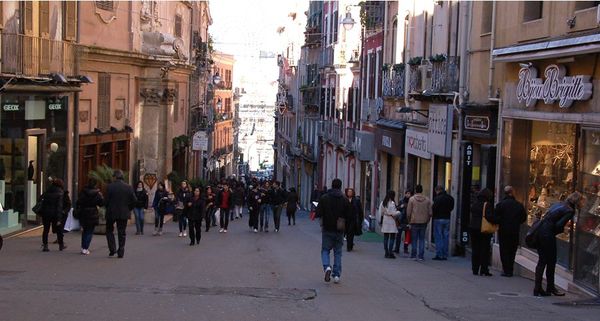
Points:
(556, 87)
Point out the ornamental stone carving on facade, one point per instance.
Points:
(152, 96)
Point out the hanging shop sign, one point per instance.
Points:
(200, 141)
(439, 130)
(556, 87)
(390, 141)
(467, 181)
(477, 123)
(416, 144)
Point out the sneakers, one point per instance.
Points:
(85, 252)
(255, 231)
(160, 232)
(276, 230)
(45, 248)
(224, 231)
(328, 274)
(155, 233)
(221, 230)
(184, 234)
(336, 279)
(180, 234)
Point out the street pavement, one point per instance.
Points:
(245, 276)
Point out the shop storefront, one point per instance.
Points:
(418, 160)
(33, 149)
(551, 147)
(389, 142)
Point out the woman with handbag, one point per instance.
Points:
(388, 212)
(86, 211)
(552, 224)
(482, 208)
(52, 205)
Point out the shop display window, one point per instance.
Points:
(588, 220)
(551, 174)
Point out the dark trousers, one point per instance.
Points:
(224, 218)
(195, 230)
(546, 260)
(86, 236)
(159, 219)
(402, 230)
(481, 251)
(291, 214)
(208, 218)
(509, 242)
(110, 236)
(277, 215)
(388, 242)
(253, 220)
(58, 229)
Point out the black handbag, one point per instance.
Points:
(37, 208)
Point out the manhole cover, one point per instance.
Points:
(580, 303)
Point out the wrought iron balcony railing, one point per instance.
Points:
(393, 83)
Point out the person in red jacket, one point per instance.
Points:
(225, 202)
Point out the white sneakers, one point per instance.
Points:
(180, 234)
(255, 230)
(221, 230)
(336, 279)
(85, 252)
(328, 274)
(184, 234)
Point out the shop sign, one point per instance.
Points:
(389, 141)
(467, 168)
(439, 130)
(478, 123)
(556, 87)
(11, 107)
(416, 144)
(200, 141)
(386, 141)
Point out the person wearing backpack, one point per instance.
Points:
(333, 209)
(552, 224)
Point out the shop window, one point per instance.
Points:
(532, 10)
(582, 5)
(588, 221)
(486, 16)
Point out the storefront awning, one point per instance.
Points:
(50, 89)
(549, 49)
(396, 124)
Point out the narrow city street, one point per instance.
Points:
(245, 276)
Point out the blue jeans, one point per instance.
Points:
(332, 241)
(388, 243)
(86, 237)
(139, 219)
(440, 229)
(265, 215)
(418, 237)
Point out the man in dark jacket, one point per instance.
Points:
(510, 214)
(443, 204)
(278, 197)
(332, 206)
(120, 200)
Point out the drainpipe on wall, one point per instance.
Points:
(492, 44)
(75, 183)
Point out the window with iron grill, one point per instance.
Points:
(105, 5)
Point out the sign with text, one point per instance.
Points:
(467, 181)
(416, 143)
(478, 123)
(55, 104)
(390, 141)
(556, 87)
(9, 107)
(439, 130)
(200, 141)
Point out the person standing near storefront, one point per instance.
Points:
(552, 224)
(480, 242)
(140, 206)
(87, 213)
(403, 227)
(419, 214)
(389, 213)
(443, 204)
(510, 214)
(291, 206)
(120, 200)
(52, 212)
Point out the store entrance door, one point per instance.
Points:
(35, 160)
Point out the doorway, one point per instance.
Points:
(34, 185)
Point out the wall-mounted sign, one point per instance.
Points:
(200, 141)
(56, 104)
(478, 123)
(556, 87)
(416, 143)
(439, 130)
(11, 107)
(386, 141)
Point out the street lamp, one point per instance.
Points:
(348, 22)
(216, 78)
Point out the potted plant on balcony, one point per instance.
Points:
(385, 67)
(437, 58)
(398, 67)
(415, 61)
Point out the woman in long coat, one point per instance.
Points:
(481, 242)
(292, 206)
(388, 213)
(354, 224)
(87, 212)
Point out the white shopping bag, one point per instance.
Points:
(218, 215)
(365, 225)
(72, 224)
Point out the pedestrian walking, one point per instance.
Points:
(140, 205)
(315, 195)
(209, 215)
(86, 211)
(184, 203)
(238, 199)
(354, 224)
(552, 224)
(52, 212)
(510, 214)
(159, 213)
(419, 213)
(254, 204)
(120, 200)
(166, 206)
(333, 209)
(225, 202)
(403, 228)
(389, 214)
(291, 206)
(442, 207)
(197, 209)
(278, 197)
(265, 208)
(480, 242)
(66, 210)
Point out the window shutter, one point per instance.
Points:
(178, 26)
(105, 5)
(28, 17)
(1, 14)
(70, 20)
(44, 18)
(103, 100)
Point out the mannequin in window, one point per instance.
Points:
(30, 171)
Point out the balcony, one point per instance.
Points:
(393, 83)
(224, 85)
(312, 36)
(337, 135)
(444, 75)
(33, 56)
(351, 139)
